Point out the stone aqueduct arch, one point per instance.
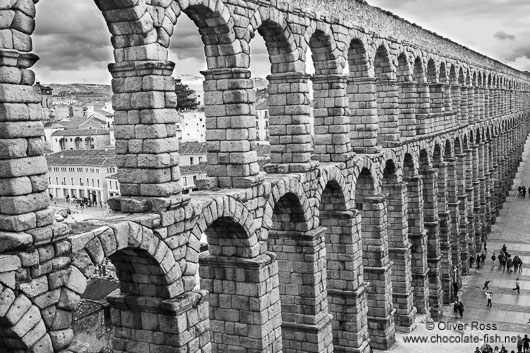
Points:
(348, 236)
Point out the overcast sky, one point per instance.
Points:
(74, 43)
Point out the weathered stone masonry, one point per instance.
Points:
(344, 237)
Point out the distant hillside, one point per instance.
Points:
(83, 88)
(193, 81)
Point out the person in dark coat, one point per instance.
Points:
(456, 311)
(486, 285)
(455, 288)
(461, 308)
(526, 344)
(479, 259)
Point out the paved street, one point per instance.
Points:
(510, 312)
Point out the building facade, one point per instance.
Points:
(79, 174)
(80, 139)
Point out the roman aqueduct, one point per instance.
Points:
(345, 237)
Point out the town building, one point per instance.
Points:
(262, 122)
(80, 139)
(191, 126)
(78, 174)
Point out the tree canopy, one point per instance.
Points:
(186, 97)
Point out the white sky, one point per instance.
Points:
(74, 43)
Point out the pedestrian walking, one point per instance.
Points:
(493, 258)
(479, 258)
(455, 288)
(517, 286)
(504, 248)
(456, 310)
(519, 343)
(483, 258)
(489, 295)
(486, 287)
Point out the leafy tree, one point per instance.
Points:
(186, 97)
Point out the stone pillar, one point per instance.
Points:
(464, 106)
(364, 123)
(479, 104)
(453, 202)
(408, 97)
(332, 121)
(231, 128)
(376, 267)
(482, 189)
(346, 287)
(462, 211)
(498, 102)
(436, 92)
(512, 101)
(24, 197)
(470, 191)
(249, 316)
(449, 119)
(487, 103)
(423, 111)
(495, 177)
(477, 198)
(471, 110)
(387, 112)
(306, 324)
(432, 225)
(476, 105)
(418, 238)
(448, 98)
(400, 256)
(444, 216)
(143, 324)
(35, 251)
(145, 119)
(488, 175)
(505, 105)
(456, 93)
(289, 123)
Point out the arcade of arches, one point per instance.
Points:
(346, 236)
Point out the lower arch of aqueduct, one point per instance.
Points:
(344, 240)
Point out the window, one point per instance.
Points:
(98, 183)
(57, 180)
(92, 182)
(200, 159)
(191, 160)
(80, 181)
(72, 179)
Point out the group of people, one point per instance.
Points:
(523, 346)
(522, 190)
(506, 261)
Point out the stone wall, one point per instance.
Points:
(340, 241)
